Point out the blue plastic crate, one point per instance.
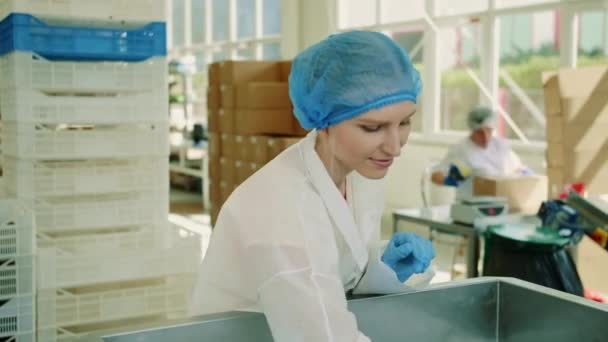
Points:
(25, 32)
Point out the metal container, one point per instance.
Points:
(480, 309)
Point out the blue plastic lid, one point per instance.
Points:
(24, 32)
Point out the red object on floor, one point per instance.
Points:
(595, 296)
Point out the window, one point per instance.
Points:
(245, 53)
(271, 17)
(451, 7)
(220, 20)
(527, 44)
(178, 23)
(245, 12)
(521, 3)
(197, 18)
(247, 42)
(528, 47)
(272, 51)
(459, 93)
(593, 38)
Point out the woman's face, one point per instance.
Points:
(370, 142)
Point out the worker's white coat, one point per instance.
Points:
(286, 243)
(497, 159)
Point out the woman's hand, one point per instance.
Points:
(407, 254)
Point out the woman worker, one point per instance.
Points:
(303, 231)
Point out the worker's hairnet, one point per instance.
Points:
(349, 74)
(481, 117)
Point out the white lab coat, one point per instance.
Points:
(497, 159)
(286, 243)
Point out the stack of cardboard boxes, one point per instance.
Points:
(250, 122)
(576, 105)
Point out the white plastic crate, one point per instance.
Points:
(16, 229)
(30, 105)
(118, 241)
(87, 306)
(56, 335)
(17, 276)
(22, 69)
(75, 333)
(52, 142)
(63, 214)
(17, 317)
(29, 336)
(30, 178)
(109, 10)
(60, 270)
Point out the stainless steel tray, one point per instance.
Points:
(480, 309)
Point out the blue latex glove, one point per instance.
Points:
(455, 176)
(407, 254)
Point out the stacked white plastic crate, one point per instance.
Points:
(17, 285)
(85, 147)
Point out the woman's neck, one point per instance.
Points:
(336, 170)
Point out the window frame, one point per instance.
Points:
(489, 19)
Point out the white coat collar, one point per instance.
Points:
(335, 204)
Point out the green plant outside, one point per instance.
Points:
(527, 74)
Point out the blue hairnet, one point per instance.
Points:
(349, 74)
(481, 117)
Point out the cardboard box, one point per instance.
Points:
(579, 84)
(263, 95)
(228, 95)
(554, 154)
(215, 196)
(213, 73)
(214, 101)
(226, 189)
(228, 146)
(580, 110)
(245, 170)
(249, 71)
(577, 161)
(276, 145)
(254, 167)
(241, 171)
(259, 121)
(214, 213)
(285, 70)
(240, 147)
(257, 149)
(227, 170)
(215, 144)
(556, 181)
(524, 194)
(213, 120)
(577, 137)
(226, 120)
(298, 131)
(215, 169)
(590, 168)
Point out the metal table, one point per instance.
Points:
(438, 218)
(472, 310)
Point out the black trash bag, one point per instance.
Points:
(546, 265)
